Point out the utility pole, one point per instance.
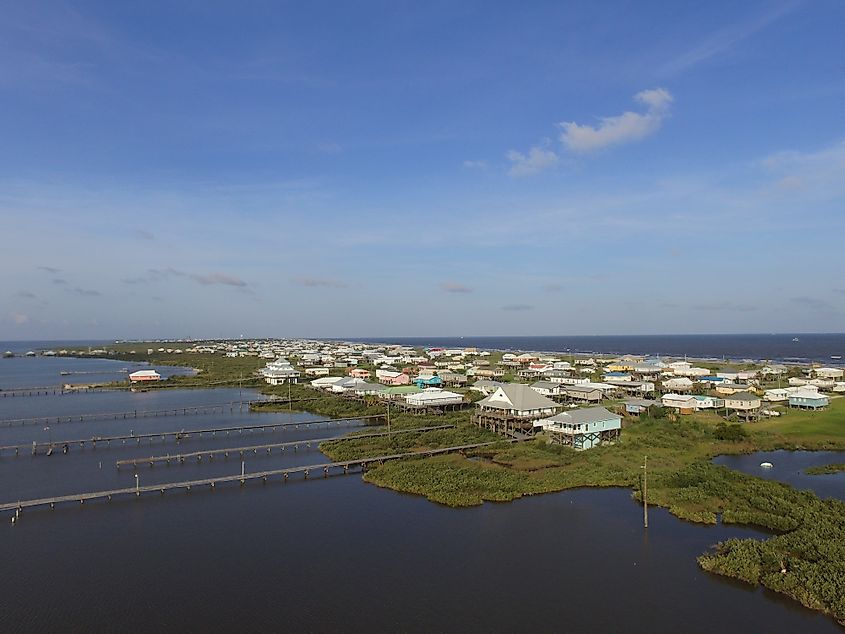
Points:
(645, 492)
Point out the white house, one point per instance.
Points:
(782, 394)
(434, 397)
(678, 384)
(679, 367)
(326, 382)
(830, 373)
(280, 371)
(684, 403)
(547, 388)
(144, 375)
(486, 386)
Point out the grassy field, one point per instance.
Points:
(828, 469)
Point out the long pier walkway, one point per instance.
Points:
(308, 442)
(45, 390)
(326, 468)
(180, 435)
(211, 408)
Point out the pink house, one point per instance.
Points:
(359, 373)
(397, 378)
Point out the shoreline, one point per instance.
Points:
(682, 478)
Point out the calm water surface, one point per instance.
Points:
(336, 553)
(22, 372)
(789, 468)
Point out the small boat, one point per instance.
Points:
(8, 354)
(795, 339)
(836, 357)
(766, 465)
(30, 354)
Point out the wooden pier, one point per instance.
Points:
(212, 408)
(49, 390)
(325, 469)
(179, 435)
(240, 451)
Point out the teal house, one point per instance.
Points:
(581, 428)
(428, 381)
(808, 399)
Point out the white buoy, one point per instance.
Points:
(766, 465)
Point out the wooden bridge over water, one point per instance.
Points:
(45, 390)
(182, 434)
(308, 442)
(325, 468)
(212, 408)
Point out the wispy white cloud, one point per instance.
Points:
(207, 279)
(454, 287)
(87, 292)
(223, 279)
(19, 319)
(624, 128)
(517, 307)
(818, 174)
(316, 282)
(815, 305)
(723, 41)
(536, 160)
(329, 148)
(725, 306)
(476, 165)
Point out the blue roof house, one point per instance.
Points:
(428, 381)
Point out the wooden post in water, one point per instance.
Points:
(645, 492)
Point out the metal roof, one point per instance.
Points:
(521, 398)
(584, 415)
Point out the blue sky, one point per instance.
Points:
(394, 168)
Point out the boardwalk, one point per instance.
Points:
(179, 435)
(149, 386)
(211, 408)
(283, 474)
(48, 390)
(192, 410)
(308, 442)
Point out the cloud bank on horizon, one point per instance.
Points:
(585, 169)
